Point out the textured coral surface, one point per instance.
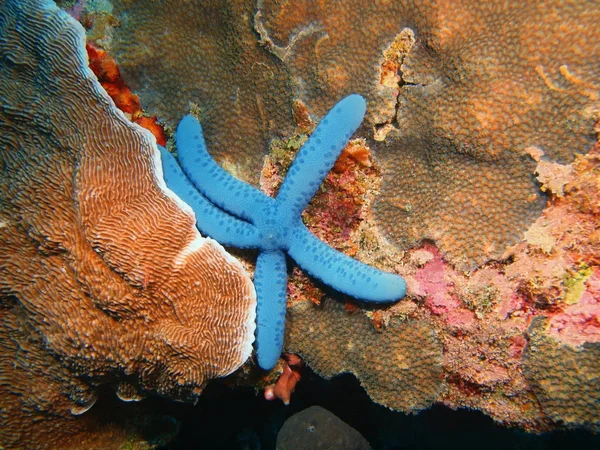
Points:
(456, 109)
(207, 53)
(477, 111)
(564, 377)
(103, 277)
(457, 92)
(333, 340)
(492, 358)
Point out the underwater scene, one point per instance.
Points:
(308, 224)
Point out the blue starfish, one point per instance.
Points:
(236, 214)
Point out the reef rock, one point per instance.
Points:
(104, 279)
(315, 428)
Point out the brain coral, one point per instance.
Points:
(565, 378)
(104, 278)
(333, 341)
(456, 91)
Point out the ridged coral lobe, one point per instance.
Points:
(104, 278)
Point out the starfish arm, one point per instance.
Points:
(218, 185)
(210, 220)
(342, 272)
(270, 282)
(318, 154)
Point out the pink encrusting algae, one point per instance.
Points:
(580, 322)
(436, 286)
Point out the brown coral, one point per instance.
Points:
(482, 102)
(207, 53)
(104, 278)
(475, 84)
(552, 278)
(456, 91)
(37, 414)
(482, 319)
(332, 341)
(459, 93)
(565, 378)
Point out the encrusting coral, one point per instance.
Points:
(521, 338)
(334, 340)
(456, 92)
(104, 278)
(565, 378)
(482, 321)
(208, 54)
(249, 218)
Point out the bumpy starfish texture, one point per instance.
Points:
(236, 214)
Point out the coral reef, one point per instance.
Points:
(36, 413)
(478, 114)
(464, 89)
(564, 377)
(481, 319)
(502, 326)
(343, 201)
(561, 360)
(482, 343)
(455, 91)
(104, 280)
